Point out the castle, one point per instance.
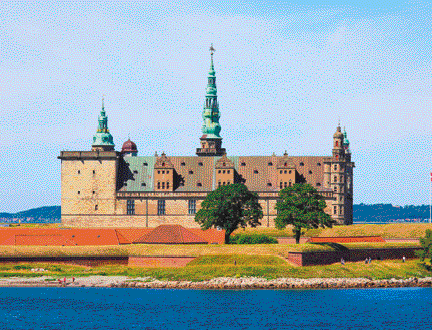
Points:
(108, 188)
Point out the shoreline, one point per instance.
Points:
(221, 283)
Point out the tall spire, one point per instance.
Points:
(103, 140)
(211, 141)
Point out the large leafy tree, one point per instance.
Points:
(302, 207)
(230, 207)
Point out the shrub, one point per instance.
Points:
(426, 244)
(253, 239)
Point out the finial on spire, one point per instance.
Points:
(212, 50)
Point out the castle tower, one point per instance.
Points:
(211, 142)
(103, 140)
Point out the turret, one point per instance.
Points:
(338, 150)
(103, 140)
(211, 141)
(129, 148)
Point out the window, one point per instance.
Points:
(158, 185)
(256, 171)
(96, 207)
(163, 172)
(270, 164)
(199, 184)
(163, 164)
(335, 178)
(192, 206)
(182, 164)
(168, 185)
(285, 172)
(223, 164)
(243, 164)
(269, 184)
(301, 164)
(334, 209)
(143, 184)
(337, 143)
(94, 172)
(310, 172)
(190, 172)
(130, 206)
(318, 164)
(135, 172)
(219, 171)
(228, 182)
(158, 172)
(281, 185)
(79, 192)
(79, 172)
(223, 172)
(219, 184)
(228, 171)
(161, 207)
(167, 172)
(285, 184)
(289, 171)
(335, 167)
(145, 164)
(318, 184)
(93, 192)
(200, 164)
(290, 183)
(285, 164)
(335, 189)
(163, 185)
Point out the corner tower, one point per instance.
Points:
(103, 140)
(211, 142)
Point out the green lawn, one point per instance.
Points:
(207, 267)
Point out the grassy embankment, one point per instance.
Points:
(393, 230)
(264, 260)
(208, 267)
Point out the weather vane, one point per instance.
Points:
(212, 50)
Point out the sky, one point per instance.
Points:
(287, 72)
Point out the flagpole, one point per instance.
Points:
(430, 199)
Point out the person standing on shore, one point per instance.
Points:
(342, 261)
(403, 259)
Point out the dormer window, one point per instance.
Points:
(255, 171)
(163, 164)
(182, 164)
(200, 164)
(285, 164)
(243, 164)
(135, 172)
(310, 172)
(270, 164)
(318, 164)
(145, 164)
(269, 184)
(223, 164)
(199, 184)
(143, 184)
(190, 172)
(301, 164)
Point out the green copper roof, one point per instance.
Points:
(103, 136)
(211, 114)
(345, 140)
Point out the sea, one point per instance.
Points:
(122, 308)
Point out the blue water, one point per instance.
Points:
(106, 308)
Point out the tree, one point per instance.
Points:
(302, 207)
(426, 251)
(230, 207)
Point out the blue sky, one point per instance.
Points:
(286, 72)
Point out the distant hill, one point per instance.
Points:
(381, 213)
(40, 214)
(386, 213)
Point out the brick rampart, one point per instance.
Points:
(81, 261)
(331, 257)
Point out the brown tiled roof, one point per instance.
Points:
(210, 235)
(170, 234)
(128, 235)
(224, 162)
(163, 162)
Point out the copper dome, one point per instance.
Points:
(129, 146)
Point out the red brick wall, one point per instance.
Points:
(159, 261)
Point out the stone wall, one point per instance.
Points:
(331, 257)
